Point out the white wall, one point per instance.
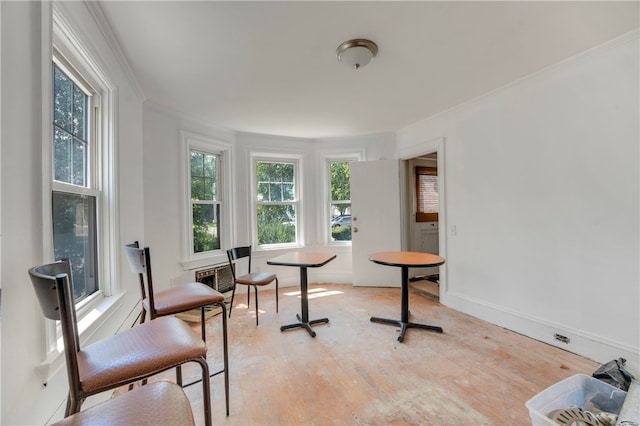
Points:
(26, 33)
(542, 187)
(163, 193)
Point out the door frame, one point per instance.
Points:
(430, 146)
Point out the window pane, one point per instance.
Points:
(197, 188)
(74, 238)
(61, 156)
(263, 191)
(276, 224)
(340, 186)
(79, 161)
(70, 116)
(275, 181)
(275, 192)
(197, 163)
(204, 176)
(340, 173)
(288, 192)
(427, 196)
(62, 100)
(79, 116)
(205, 227)
(210, 165)
(341, 222)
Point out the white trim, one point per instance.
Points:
(581, 56)
(98, 308)
(297, 160)
(96, 12)
(188, 141)
(429, 146)
(597, 348)
(47, 131)
(326, 159)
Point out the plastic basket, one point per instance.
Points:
(575, 391)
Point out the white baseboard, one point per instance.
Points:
(598, 348)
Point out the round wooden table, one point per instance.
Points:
(406, 260)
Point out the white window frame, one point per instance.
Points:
(72, 55)
(328, 162)
(193, 141)
(277, 158)
(327, 158)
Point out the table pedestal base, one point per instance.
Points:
(304, 324)
(405, 325)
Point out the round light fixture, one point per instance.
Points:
(357, 53)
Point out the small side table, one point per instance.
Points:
(303, 260)
(406, 260)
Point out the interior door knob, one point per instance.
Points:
(355, 229)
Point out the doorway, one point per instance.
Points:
(423, 210)
(426, 232)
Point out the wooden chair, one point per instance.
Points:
(176, 300)
(124, 358)
(156, 404)
(250, 279)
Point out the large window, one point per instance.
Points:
(75, 192)
(205, 201)
(207, 221)
(427, 196)
(340, 207)
(276, 201)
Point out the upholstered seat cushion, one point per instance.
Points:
(159, 403)
(138, 352)
(183, 298)
(256, 278)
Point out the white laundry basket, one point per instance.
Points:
(575, 391)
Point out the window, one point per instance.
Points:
(75, 193)
(78, 160)
(205, 201)
(340, 208)
(427, 196)
(207, 218)
(276, 201)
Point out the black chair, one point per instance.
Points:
(131, 355)
(177, 300)
(250, 279)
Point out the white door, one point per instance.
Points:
(375, 220)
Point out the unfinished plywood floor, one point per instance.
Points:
(355, 372)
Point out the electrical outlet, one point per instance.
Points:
(561, 338)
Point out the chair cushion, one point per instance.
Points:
(256, 278)
(183, 298)
(159, 403)
(138, 352)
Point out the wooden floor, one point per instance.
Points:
(355, 372)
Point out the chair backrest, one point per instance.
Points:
(239, 253)
(54, 288)
(140, 263)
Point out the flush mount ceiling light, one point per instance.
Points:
(357, 53)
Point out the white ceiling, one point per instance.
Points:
(270, 67)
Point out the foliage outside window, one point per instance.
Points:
(205, 201)
(427, 196)
(276, 202)
(74, 198)
(339, 172)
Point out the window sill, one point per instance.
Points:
(212, 260)
(97, 313)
